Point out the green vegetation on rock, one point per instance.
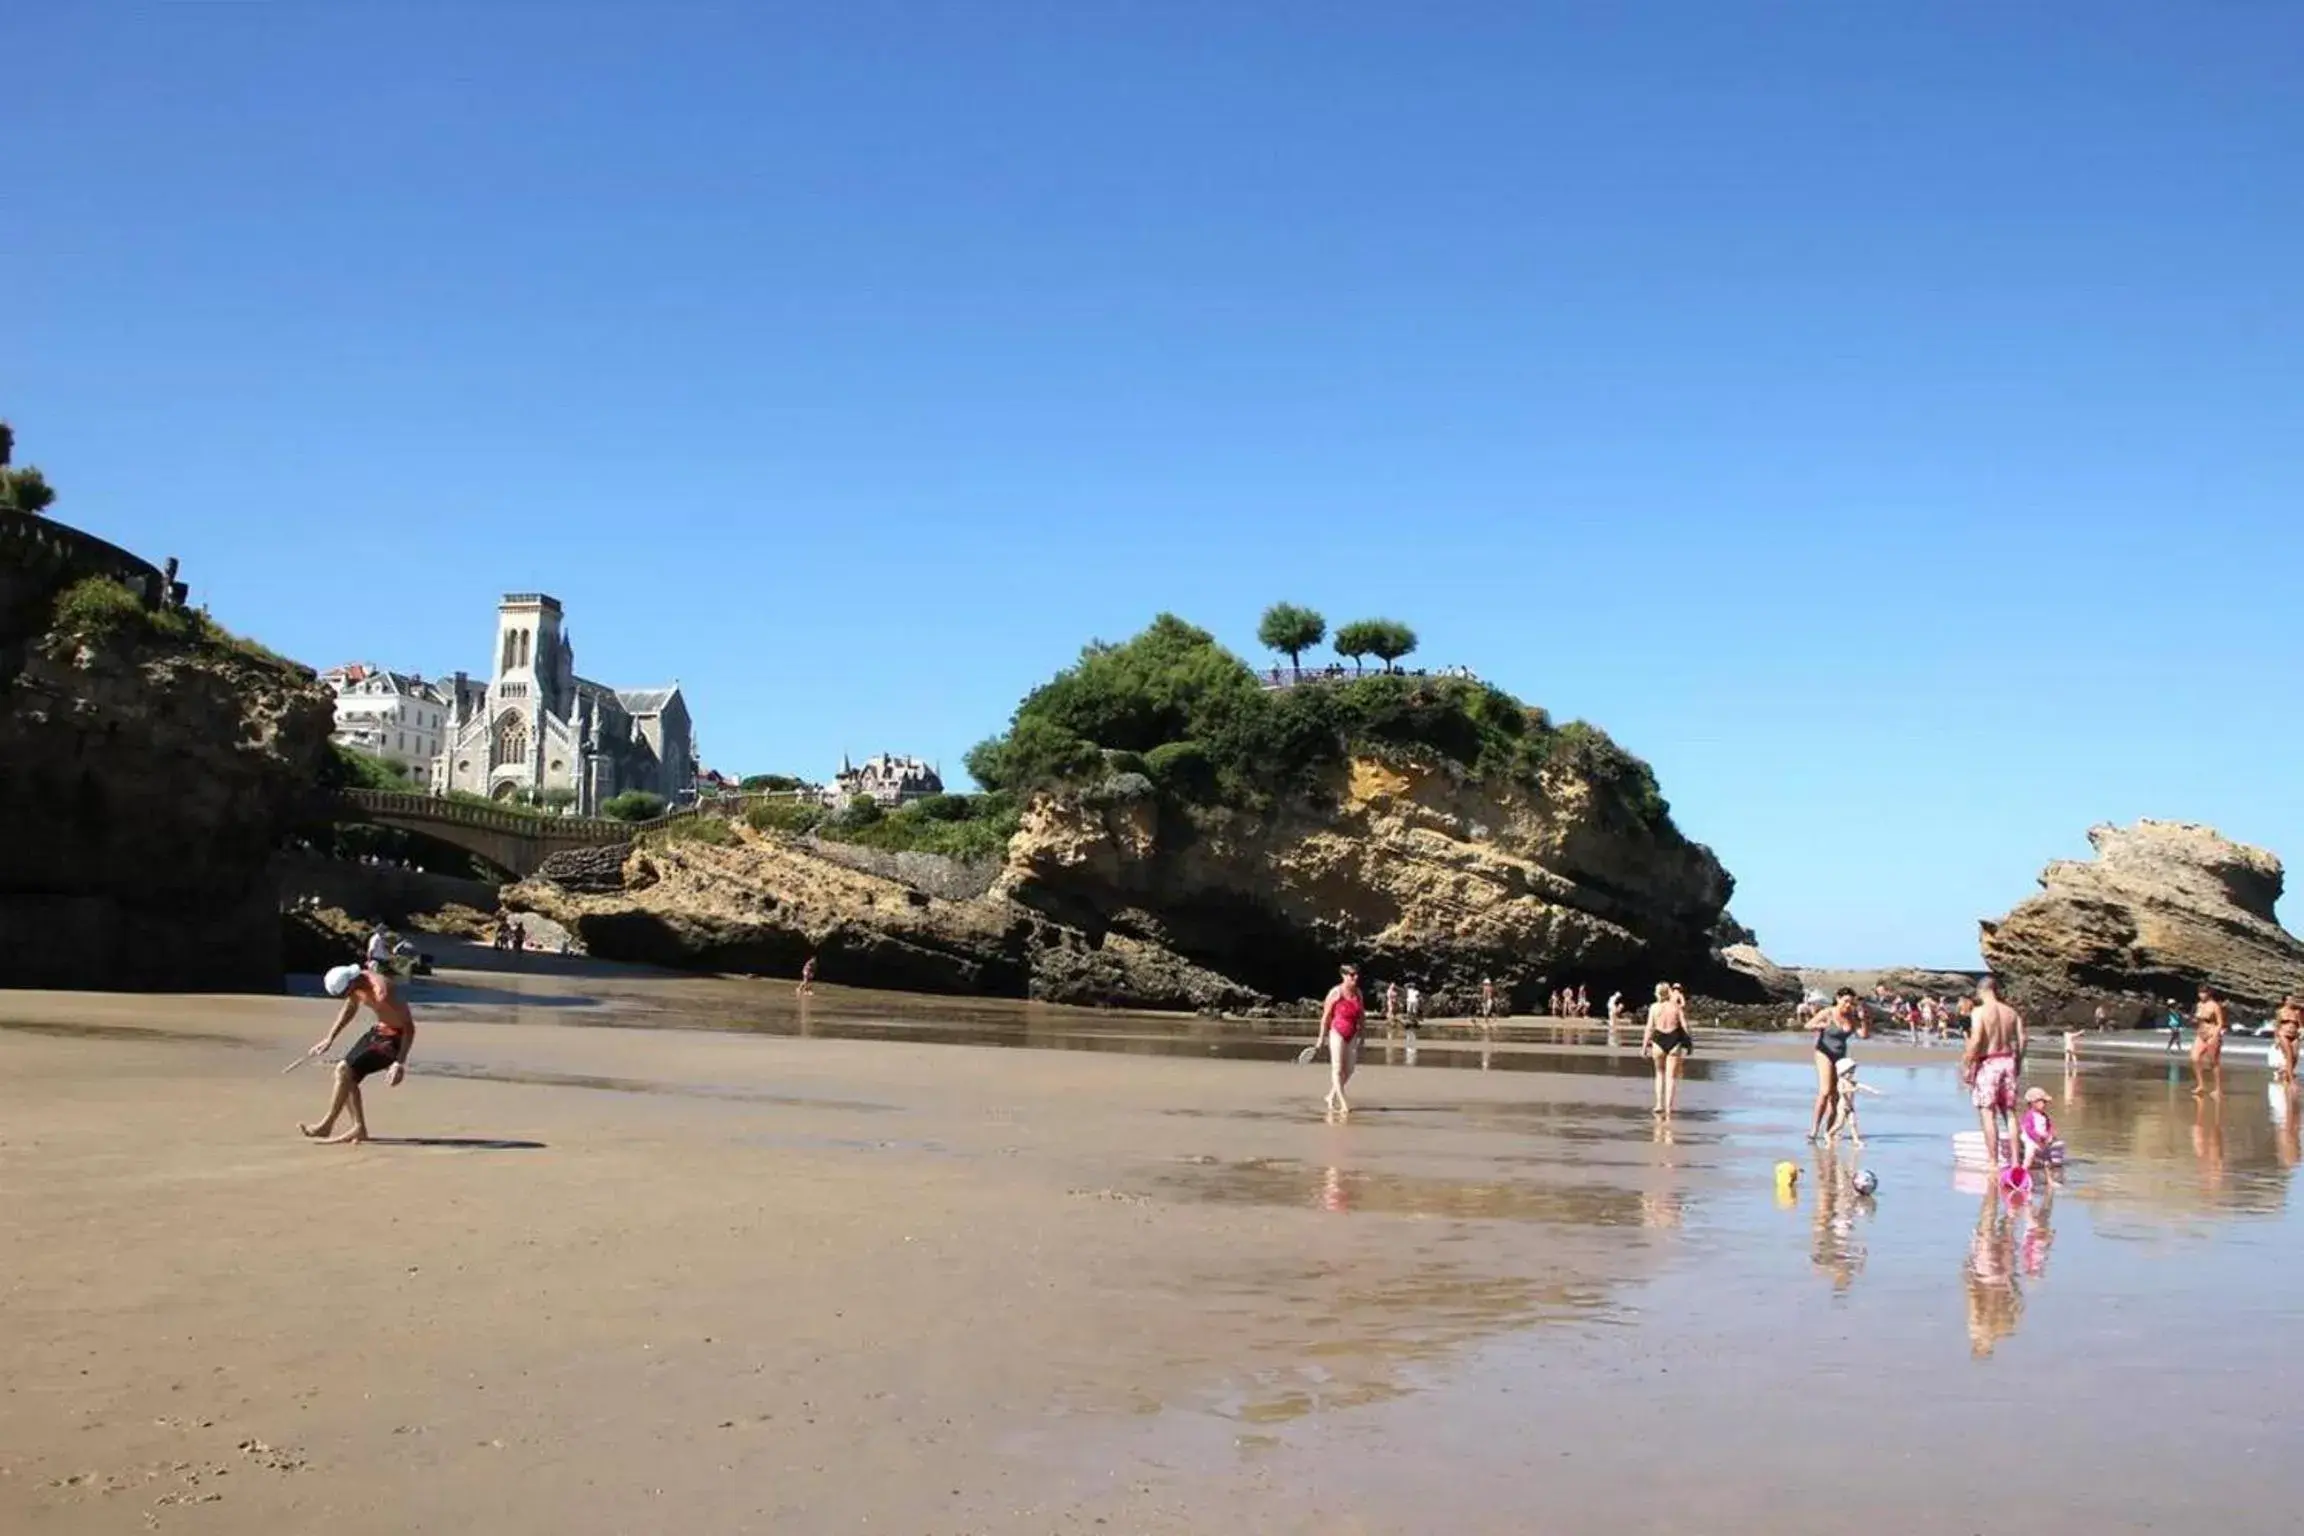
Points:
(351, 768)
(692, 829)
(1173, 710)
(633, 805)
(965, 827)
(100, 611)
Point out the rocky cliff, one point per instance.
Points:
(1413, 871)
(146, 774)
(767, 903)
(1113, 896)
(2162, 907)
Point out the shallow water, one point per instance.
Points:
(1520, 1291)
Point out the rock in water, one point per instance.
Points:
(2164, 906)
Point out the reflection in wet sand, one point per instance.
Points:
(1279, 1182)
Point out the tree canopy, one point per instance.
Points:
(1291, 631)
(1177, 713)
(21, 490)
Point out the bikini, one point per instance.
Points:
(1675, 1039)
(1832, 1041)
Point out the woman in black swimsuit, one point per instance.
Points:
(1834, 1026)
(1666, 1043)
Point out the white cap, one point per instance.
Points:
(1846, 1066)
(339, 980)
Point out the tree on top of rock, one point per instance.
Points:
(21, 490)
(1386, 639)
(1356, 641)
(1291, 631)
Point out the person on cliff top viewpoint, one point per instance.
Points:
(2208, 1026)
(1340, 1016)
(1989, 1066)
(386, 1044)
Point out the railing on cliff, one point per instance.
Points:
(40, 557)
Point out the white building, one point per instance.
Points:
(393, 715)
(537, 729)
(890, 780)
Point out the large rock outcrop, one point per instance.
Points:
(767, 902)
(1116, 897)
(2163, 907)
(145, 780)
(1411, 870)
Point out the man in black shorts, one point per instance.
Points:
(385, 1045)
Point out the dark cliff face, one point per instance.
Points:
(144, 782)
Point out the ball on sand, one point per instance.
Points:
(1866, 1181)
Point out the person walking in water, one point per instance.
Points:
(385, 1045)
(1834, 1026)
(2287, 1034)
(2208, 1026)
(1989, 1066)
(1666, 1043)
(1340, 1016)
(807, 986)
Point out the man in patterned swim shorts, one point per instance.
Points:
(1989, 1066)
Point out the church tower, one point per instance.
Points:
(532, 659)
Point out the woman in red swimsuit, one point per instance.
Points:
(1340, 1018)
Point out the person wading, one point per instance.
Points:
(1666, 1043)
(1834, 1026)
(1340, 1031)
(2208, 1026)
(1990, 1064)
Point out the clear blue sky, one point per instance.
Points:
(1888, 419)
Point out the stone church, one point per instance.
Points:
(536, 728)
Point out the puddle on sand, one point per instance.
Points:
(1279, 1182)
(537, 1079)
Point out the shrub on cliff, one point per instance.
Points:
(633, 805)
(1205, 732)
(970, 828)
(349, 768)
(794, 816)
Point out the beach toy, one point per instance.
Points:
(1866, 1181)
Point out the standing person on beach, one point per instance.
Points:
(386, 1044)
(1391, 1002)
(1834, 1026)
(1995, 1055)
(1415, 1012)
(807, 977)
(2208, 1026)
(1666, 1043)
(2287, 1035)
(1340, 1014)
(2175, 1028)
(1487, 997)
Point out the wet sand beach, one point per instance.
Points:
(643, 1253)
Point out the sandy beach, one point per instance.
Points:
(608, 1273)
